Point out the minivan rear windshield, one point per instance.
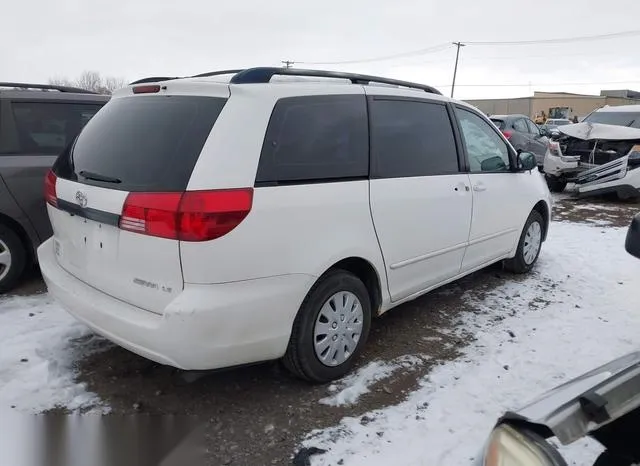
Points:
(498, 123)
(631, 119)
(142, 143)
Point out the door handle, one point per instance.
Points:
(479, 187)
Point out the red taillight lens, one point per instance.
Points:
(50, 194)
(189, 216)
(151, 89)
(507, 134)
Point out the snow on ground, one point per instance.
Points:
(349, 390)
(577, 310)
(37, 355)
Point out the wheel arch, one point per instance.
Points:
(545, 210)
(367, 273)
(19, 230)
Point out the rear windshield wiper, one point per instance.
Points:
(98, 177)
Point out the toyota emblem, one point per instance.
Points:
(81, 199)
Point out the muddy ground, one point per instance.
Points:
(258, 415)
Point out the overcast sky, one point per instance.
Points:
(131, 39)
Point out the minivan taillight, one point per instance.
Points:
(50, 194)
(188, 216)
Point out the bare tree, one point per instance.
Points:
(91, 81)
(58, 81)
(111, 83)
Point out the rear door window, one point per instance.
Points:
(533, 128)
(411, 138)
(314, 139)
(46, 128)
(148, 143)
(520, 126)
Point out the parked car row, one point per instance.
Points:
(36, 123)
(211, 223)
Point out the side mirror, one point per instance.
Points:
(527, 161)
(632, 244)
(544, 132)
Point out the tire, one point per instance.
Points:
(13, 259)
(302, 358)
(525, 258)
(555, 184)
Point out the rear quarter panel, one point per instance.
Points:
(298, 229)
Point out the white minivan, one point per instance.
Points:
(233, 218)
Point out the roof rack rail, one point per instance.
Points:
(264, 75)
(217, 73)
(45, 87)
(155, 79)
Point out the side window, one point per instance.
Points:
(411, 138)
(48, 127)
(520, 126)
(533, 128)
(316, 138)
(486, 150)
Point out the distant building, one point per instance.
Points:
(544, 105)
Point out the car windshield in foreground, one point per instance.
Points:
(630, 119)
(146, 143)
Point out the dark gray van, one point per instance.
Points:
(36, 124)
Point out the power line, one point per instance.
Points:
(425, 51)
(444, 46)
(564, 40)
(541, 84)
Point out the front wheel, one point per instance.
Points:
(529, 245)
(555, 184)
(330, 329)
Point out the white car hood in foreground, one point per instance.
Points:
(588, 402)
(590, 131)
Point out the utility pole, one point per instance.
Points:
(455, 69)
(287, 63)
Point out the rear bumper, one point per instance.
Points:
(560, 166)
(205, 327)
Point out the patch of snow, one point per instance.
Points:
(573, 313)
(38, 352)
(432, 338)
(352, 387)
(599, 222)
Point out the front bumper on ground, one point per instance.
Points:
(205, 327)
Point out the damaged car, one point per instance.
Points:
(601, 155)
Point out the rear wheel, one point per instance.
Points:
(330, 329)
(13, 258)
(555, 184)
(529, 245)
